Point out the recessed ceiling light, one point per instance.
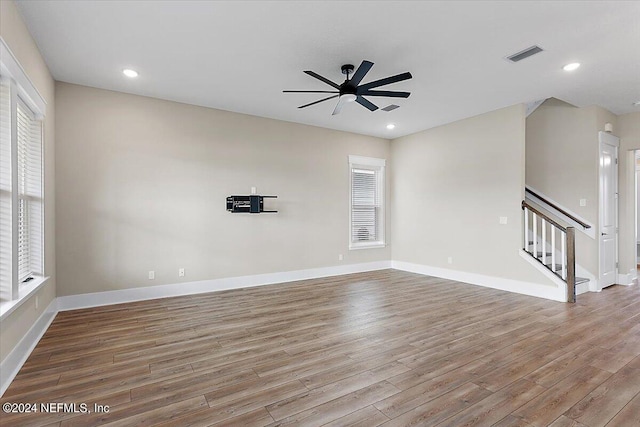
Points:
(130, 73)
(391, 126)
(571, 67)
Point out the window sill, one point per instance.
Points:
(372, 245)
(26, 291)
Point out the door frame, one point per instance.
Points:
(636, 205)
(605, 138)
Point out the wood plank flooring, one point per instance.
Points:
(381, 348)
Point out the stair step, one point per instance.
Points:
(539, 254)
(581, 280)
(558, 267)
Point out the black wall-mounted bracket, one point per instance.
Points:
(248, 204)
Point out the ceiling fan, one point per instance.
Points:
(351, 90)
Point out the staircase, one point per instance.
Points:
(556, 269)
(552, 245)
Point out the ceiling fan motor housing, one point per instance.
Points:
(347, 88)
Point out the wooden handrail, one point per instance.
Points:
(562, 211)
(546, 217)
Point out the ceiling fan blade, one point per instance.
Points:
(310, 91)
(362, 70)
(316, 102)
(323, 79)
(366, 103)
(339, 106)
(386, 81)
(388, 93)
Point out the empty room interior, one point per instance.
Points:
(313, 213)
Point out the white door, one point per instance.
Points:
(608, 209)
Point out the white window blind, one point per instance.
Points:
(366, 202)
(364, 206)
(29, 147)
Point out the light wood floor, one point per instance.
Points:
(383, 348)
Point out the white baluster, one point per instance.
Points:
(544, 240)
(553, 248)
(564, 255)
(526, 229)
(535, 235)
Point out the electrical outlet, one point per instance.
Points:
(450, 260)
(340, 257)
(181, 272)
(583, 202)
(253, 190)
(503, 220)
(37, 302)
(152, 275)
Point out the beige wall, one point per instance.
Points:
(17, 37)
(628, 129)
(141, 185)
(451, 184)
(562, 162)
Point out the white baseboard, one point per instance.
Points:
(628, 279)
(11, 365)
(74, 302)
(583, 288)
(556, 293)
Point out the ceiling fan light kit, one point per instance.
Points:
(351, 90)
(348, 97)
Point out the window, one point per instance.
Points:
(366, 208)
(21, 188)
(29, 132)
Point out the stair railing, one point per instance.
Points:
(552, 205)
(540, 229)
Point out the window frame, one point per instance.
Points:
(376, 165)
(22, 94)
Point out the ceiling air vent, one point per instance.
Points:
(530, 51)
(390, 107)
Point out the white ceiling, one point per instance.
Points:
(239, 56)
